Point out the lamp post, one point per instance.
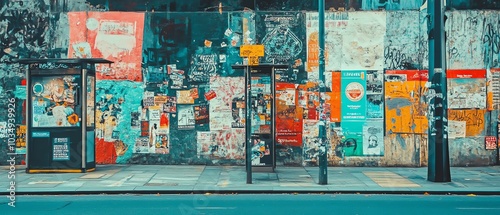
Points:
(323, 163)
(438, 158)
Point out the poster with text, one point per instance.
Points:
(353, 95)
(288, 115)
(201, 115)
(466, 89)
(185, 117)
(115, 36)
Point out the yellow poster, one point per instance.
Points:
(405, 109)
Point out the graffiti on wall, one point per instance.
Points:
(401, 52)
(115, 36)
(23, 30)
(466, 123)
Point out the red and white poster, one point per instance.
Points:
(466, 89)
(288, 115)
(114, 36)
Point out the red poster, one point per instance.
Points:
(144, 128)
(491, 142)
(115, 36)
(466, 73)
(210, 95)
(407, 75)
(288, 115)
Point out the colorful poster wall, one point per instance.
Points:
(466, 89)
(405, 110)
(115, 36)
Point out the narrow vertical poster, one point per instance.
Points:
(373, 137)
(288, 115)
(353, 95)
(374, 94)
(334, 97)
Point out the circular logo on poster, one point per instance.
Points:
(354, 91)
(38, 89)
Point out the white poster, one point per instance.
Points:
(353, 40)
(226, 90)
(373, 138)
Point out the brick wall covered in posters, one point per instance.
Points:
(171, 97)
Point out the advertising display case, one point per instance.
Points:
(261, 135)
(60, 114)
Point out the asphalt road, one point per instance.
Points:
(254, 204)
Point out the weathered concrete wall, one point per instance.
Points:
(174, 70)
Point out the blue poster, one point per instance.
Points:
(353, 96)
(352, 138)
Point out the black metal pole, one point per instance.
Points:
(323, 163)
(438, 158)
(248, 125)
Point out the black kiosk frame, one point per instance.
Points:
(60, 114)
(260, 143)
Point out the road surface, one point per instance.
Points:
(254, 204)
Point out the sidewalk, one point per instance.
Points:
(117, 179)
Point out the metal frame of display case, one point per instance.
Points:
(261, 70)
(41, 140)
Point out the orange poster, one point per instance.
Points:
(115, 36)
(470, 123)
(405, 109)
(334, 98)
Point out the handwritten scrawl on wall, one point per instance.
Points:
(466, 123)
(404, 107)
(115, 36)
